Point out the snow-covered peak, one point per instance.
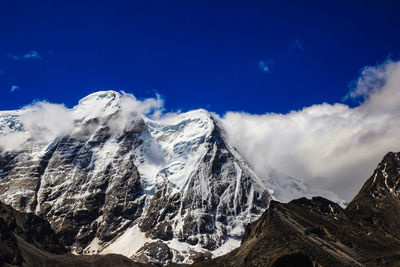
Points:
(189, 124)
(199, 114)
(100, 96)
(9, 121)
(99, 104)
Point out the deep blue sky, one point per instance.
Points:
(194, 53)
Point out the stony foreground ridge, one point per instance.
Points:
(122, 183)
(318, 232)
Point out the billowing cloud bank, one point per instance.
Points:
(332, 147)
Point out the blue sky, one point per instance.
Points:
(253, 56)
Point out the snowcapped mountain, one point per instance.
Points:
(114, 180)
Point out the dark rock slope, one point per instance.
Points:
(28, 240)
(318, 232)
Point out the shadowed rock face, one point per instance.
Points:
(318, 232)
(16, 226)
(378, 202)
(28, 240)
(299, 260)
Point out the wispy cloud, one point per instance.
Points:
(371, 78)
(14, 88)
(30, 55)
(265, 66)
(14, 56)
(44, 121)
(297, 45)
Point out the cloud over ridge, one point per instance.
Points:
(333, 147)
(43, 121)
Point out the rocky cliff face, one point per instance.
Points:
(120, 182)
(378, 202)
(318, 232)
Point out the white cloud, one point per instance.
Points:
(10, 140)
(30, 55)
(44, 121)
(14, 56)
(41, 122)
(13, 88)
(333, 147)
(297, 45)
(130, 106)
(265, 66)
(148, 106)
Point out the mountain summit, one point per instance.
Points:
(120, 182)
